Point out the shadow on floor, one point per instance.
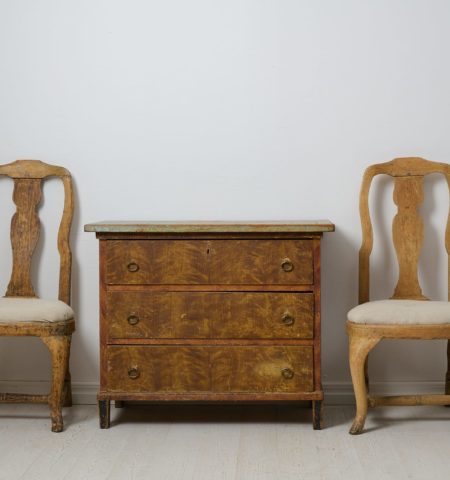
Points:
(179, 413)
(141, 413)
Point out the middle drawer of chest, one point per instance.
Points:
(144, 314)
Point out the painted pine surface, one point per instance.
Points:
(407, 235)
(191, 262)
(223, 361)
(209, 315)
(25, 228)
(299, 226)
(210, 369)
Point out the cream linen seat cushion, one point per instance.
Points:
(23, 309)
(403, 312)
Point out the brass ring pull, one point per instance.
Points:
(287, 319)
(287, 373)
(133, 267)
(133, 319)
(287, 265)
(133, 373)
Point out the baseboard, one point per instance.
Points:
(336, 393)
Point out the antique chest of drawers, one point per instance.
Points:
(210, 312)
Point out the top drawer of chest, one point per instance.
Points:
(234, 262)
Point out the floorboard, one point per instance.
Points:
(211, 442)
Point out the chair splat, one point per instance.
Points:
(407, 232)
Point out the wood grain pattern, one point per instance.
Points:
(23, 398)
(408, 167)
(317, 328)
(28, 176)
(190, 315)
(261, 262)
(260, 369)
(211, 341)
(59, 348)
(196, 313)
(210, 369)
(37, 329)
(359, 349)
(411, 332)
(176, 262)
(32, 169)
(407, 233)
(24, 235)
(25, 225)
(408, 237)
(447, 375)
(209, 262)
(229, 287)
(160, 369)
(64, 249)
(408, 400)
(103, 340)
(200, 397)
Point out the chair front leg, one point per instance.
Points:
(447, 376)
(366, 373)
(67, 390)
(359, 348)
(59, 347)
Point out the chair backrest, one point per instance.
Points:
(25, 225)
(407, 226)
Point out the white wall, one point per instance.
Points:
(244, 109)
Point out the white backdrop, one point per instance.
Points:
(244, 109)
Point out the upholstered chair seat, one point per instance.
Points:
(19, 309)
(394, 312)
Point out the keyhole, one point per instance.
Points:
(207, 251)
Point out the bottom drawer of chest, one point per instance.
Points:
(213, 369)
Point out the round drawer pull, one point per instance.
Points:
(287, 319)
(133, 373)
(133, 319)
(133, 267)
(287, 265)
(287, 373)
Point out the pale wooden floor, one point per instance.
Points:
(224, 442)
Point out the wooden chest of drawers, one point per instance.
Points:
(210, 312)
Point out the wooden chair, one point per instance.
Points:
(408, 314)
(21, 312)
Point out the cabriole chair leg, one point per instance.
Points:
(59, 350)
(67, 392)
(359, 349)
